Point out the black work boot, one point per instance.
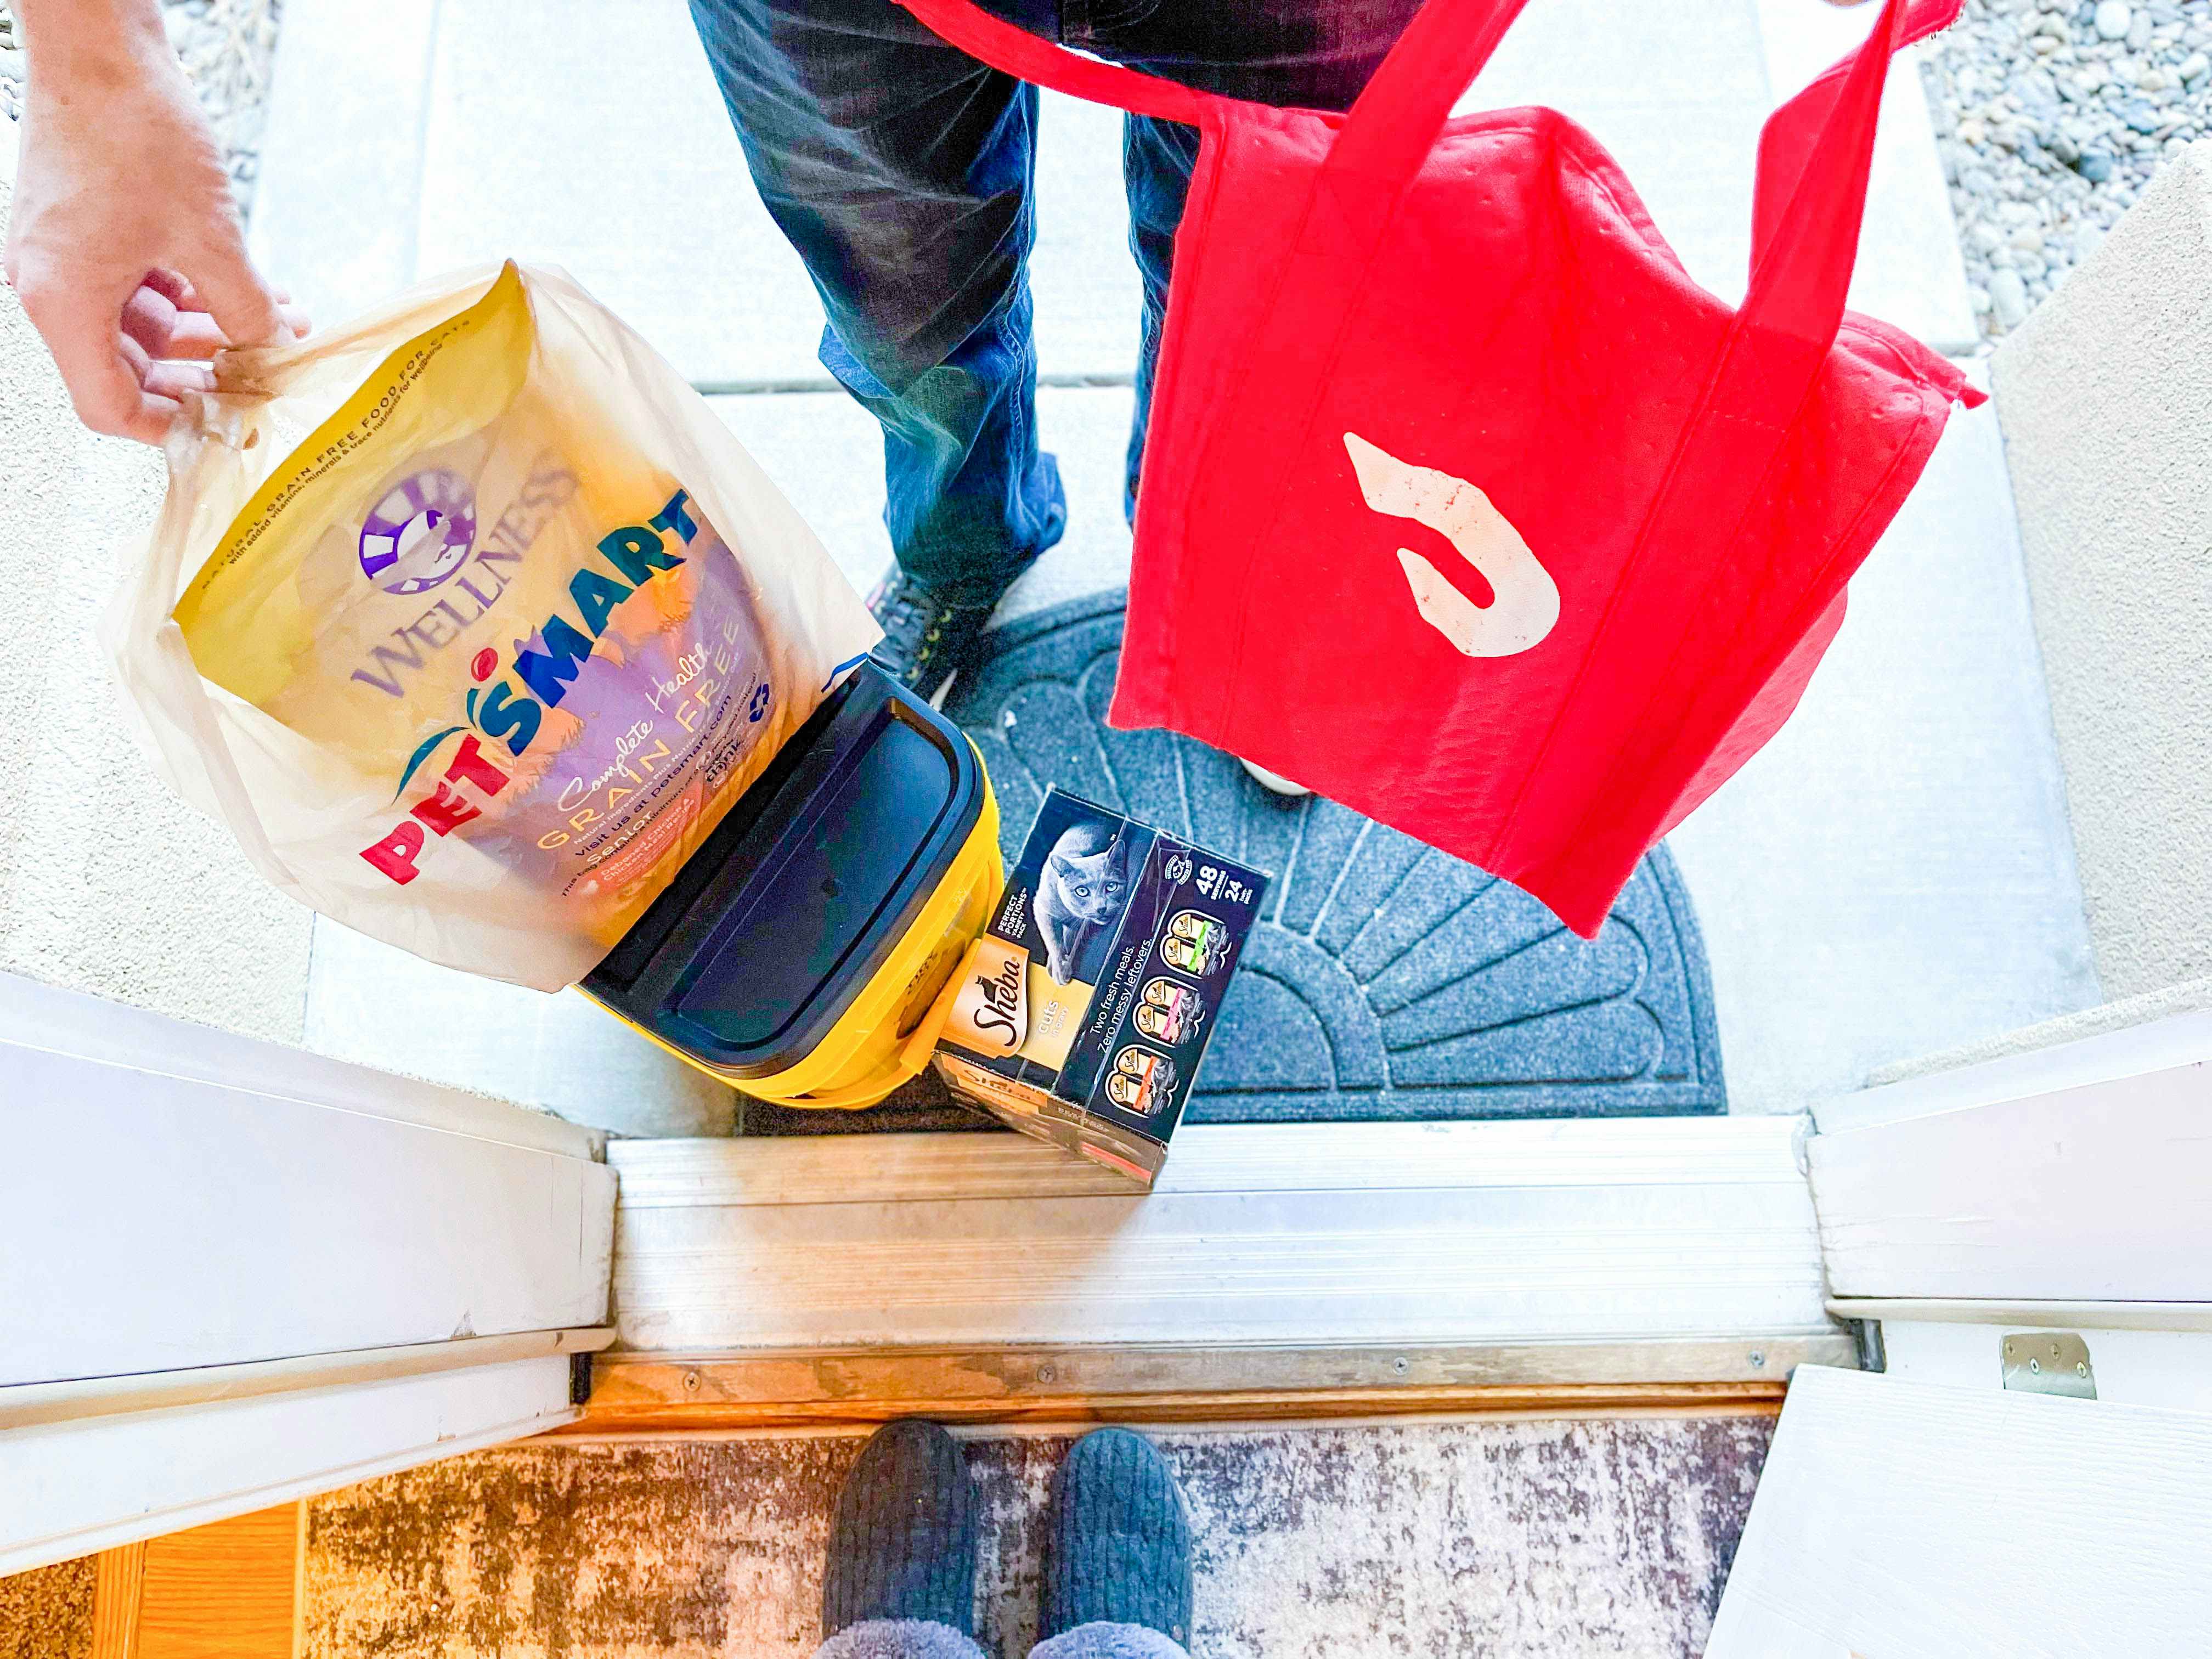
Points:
(903, 1543)
(925, 641)
(1118, 1551)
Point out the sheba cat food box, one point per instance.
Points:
(1081, 1014)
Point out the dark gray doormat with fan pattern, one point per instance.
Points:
(1386, 980)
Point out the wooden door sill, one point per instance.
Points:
(634, 1394)
(1559, 1267)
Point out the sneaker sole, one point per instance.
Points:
(1273, 781)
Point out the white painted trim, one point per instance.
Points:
(80, 1487)
(2061, 1175)
(1436, 1234)
(2045, 1316)
(2161, 1045)
(240, 1273)
(183, 1198)
(36, 1016)
(2100, 1020)
(31, 1403)
(2172, 1370)
(1910, 1522)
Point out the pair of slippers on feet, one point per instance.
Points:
(903, 1544)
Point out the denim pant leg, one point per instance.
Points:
(1312, 54)
(1157, 158)
(901, 170)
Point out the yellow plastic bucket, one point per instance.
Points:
(799, 952)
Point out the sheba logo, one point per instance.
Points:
(546, 664)
(1525, 602)
(999, 1010)
(990, 1014)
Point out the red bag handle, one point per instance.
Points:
(1399, 115)
(1815, 152)
(1030, 58)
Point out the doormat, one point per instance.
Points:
(1385, 979)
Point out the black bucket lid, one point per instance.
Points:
(771, 928)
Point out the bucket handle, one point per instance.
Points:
(921, 1041)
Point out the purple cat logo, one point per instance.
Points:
(420, 533)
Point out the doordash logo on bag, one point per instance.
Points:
(546, 664)
(1525, 606)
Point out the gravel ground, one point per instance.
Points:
(226, 46)
(2051, 116)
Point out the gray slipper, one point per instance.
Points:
(903, 1543)
(1118, 1551)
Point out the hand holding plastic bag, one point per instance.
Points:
(472, 620)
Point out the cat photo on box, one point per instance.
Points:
(1079, 891)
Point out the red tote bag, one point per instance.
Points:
(1461, 503)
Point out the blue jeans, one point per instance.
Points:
(904, 172)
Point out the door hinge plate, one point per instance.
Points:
(2048, 1362)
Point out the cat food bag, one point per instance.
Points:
(472, 620)
(1080, 1015)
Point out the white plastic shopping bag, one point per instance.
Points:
(471, 620)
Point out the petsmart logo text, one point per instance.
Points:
(545, 665)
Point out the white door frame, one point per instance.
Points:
(1938, 1510)
(2071, 1173)
(2066, 1189)
(1899, 1520)
(235, 1273)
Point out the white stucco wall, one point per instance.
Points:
(2105, 399)
(107, 882)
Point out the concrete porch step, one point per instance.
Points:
(410, 139)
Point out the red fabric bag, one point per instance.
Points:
(1461, 502)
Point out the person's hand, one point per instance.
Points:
(125, 246)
